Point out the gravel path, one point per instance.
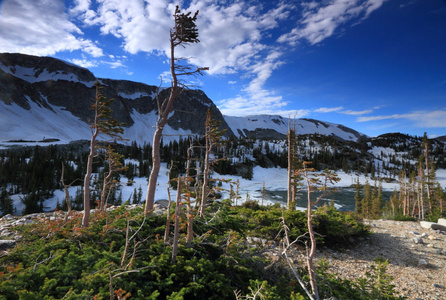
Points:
(417, 258)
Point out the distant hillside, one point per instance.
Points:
(276, 127)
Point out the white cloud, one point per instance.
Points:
(321, 19)
(85, 63)
(40, 27)
(357, 113)
(428, 119)
(328, 109)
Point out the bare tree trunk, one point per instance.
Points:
(162, 120)
(106, 187)
(204, 190)
(176, 233)
(67, 194)
(290, 171)
(426, 162)
(190, 217)
(86, 217)
(167, 230)
(312, 251)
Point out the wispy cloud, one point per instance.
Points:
(85, 63)
(357, 112)
(321, 19)
(428, 119)
(328, 109)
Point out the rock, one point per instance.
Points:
(422, 263)
(256, 240)
(438, 286)
(6, 218)
(162, 203)
(417, 240)
(424, 235)
(437, 226)
(442, 222)
(415, 232)
(7, 244)
(425, 224)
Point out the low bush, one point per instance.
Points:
(54, 260)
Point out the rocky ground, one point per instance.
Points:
(417, 258)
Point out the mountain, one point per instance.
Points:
(276, 127)
(46, 99)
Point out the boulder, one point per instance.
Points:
(7, 244)
(426, 224)
(442, 222)
(437, 226)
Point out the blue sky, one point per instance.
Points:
(376, 66)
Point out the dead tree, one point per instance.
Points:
(314, 182)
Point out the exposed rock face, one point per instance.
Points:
(45, 80)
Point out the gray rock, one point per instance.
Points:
(417, 240)
(437, 226)
(162, 202)
(442, 222)
(425, 224)
(7, 244)
(422, 263)
(7, 217)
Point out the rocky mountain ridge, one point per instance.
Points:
(46, 97)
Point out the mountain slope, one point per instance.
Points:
(276, 127)
(46, 98)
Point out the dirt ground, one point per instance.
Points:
(417, 258)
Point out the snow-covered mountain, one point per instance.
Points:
(46, 99)
(275, 127)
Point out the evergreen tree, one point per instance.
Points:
(6, 204)
(103, 123)
(358, 199)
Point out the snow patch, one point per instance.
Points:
(30, 75)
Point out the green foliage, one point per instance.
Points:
(377, 284)
(401, 217)
(338, 227)
(56, 260)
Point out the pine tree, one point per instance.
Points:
(358, 199)
(103, 123)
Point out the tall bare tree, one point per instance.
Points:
(183, 33)
(212, 137)
(314, 182)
